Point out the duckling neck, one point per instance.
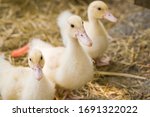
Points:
(39, 85)
(97, 26)
(92, 20)
(74, 44)
(38, 82)
(74, 49)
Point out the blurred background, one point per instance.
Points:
(22, 20)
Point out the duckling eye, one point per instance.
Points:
(30, 59)
(82, 22)
(99, 8)
(41, 57)
(72, 26)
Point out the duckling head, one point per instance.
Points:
(76, 30)
(36, 62)
(99, 10)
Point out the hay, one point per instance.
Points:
(119, 74)
(20, 21)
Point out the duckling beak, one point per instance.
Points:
(38, 72)
(109, 16)
(83, 37)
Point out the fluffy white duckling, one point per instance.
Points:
(97, 10)
(26, 83)
(41, 88)
(69, 67)
(75, 67)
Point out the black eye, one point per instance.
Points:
(82, 22)
(99, 8)
(41, 57)
(72, 26)
(30, 59)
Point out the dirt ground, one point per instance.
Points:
(20, 21)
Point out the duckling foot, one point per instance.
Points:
(102, 61)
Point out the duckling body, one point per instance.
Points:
(76, 68)
(39, 90)
(95, 29)
(23, 83)
(98, 34)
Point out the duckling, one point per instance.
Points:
(41, 88)
(25, 83)
(75, 67)
(94, 28)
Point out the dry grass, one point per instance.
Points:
(22, 21)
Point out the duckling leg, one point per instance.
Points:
(102, 61)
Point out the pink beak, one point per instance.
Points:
(38, 73)
(84, 38)
(109, 16)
